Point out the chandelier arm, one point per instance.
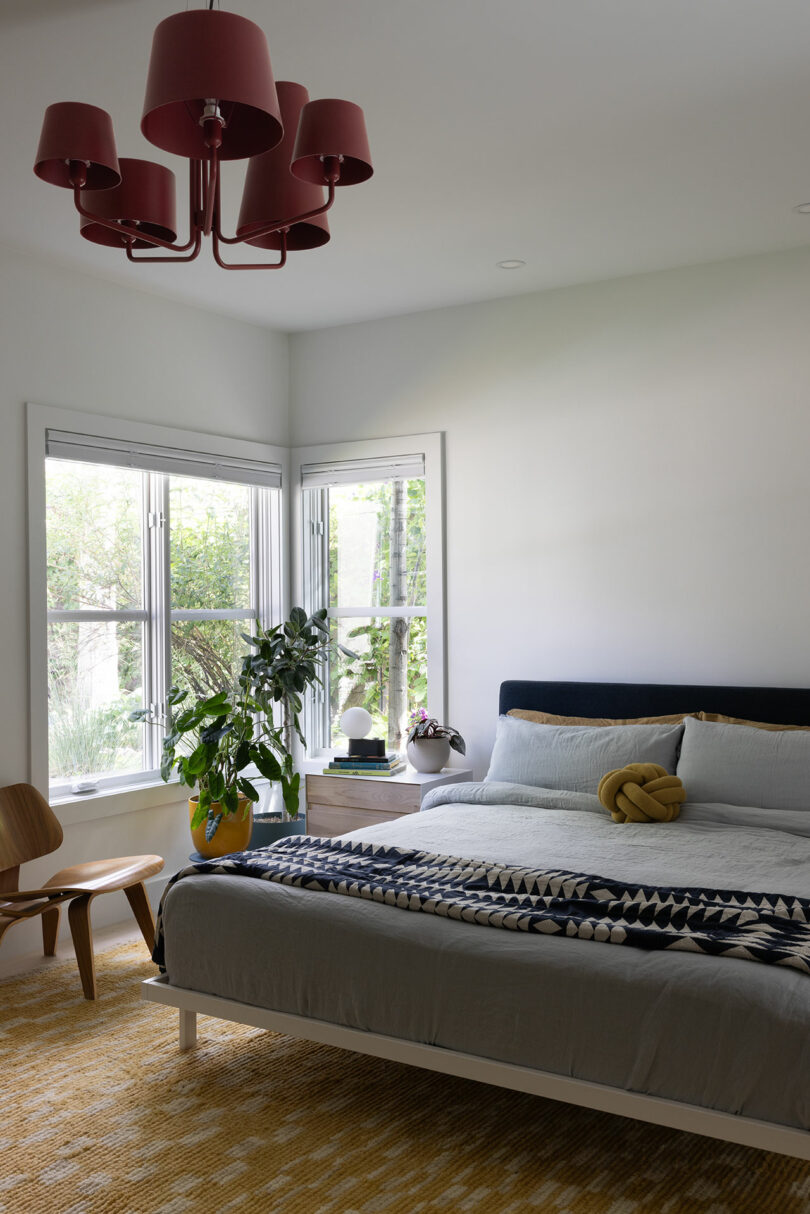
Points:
(211, 192)
(275, 225)
(192, 256)
(195, 178)
(116, 225)
(247, 265)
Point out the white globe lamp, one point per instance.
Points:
(356, 722)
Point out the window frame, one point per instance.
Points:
(142, 788)
(310, 572)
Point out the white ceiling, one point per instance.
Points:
(591, 138)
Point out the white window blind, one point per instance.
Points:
(62, 444)
(354, 471)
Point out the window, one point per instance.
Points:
(157, 560)
(372, 540)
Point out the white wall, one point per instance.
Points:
(74, 341)
(628, 482)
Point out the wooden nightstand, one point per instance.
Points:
(337, 804)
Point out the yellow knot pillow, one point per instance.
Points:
(641, 792)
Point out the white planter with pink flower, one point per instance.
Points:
(429, 743)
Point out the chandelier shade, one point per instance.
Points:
(207, 61)
(145, 198)
(332, 129)
(272, 193)
(74, 131)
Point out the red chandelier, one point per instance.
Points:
(210, 97)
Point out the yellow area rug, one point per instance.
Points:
(101, 1114)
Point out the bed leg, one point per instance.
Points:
(188, 1029)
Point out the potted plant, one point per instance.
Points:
(284, 662)
(429, 742)
(213, 741)
(217, 738)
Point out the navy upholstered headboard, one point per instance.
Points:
(776, 705)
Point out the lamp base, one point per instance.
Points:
(366, 748)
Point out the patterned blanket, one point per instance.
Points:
(769, 928)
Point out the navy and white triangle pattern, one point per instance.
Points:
(770, 928)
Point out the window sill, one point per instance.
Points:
(72, 809)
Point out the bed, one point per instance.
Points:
(715, 1046)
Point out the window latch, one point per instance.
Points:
(155, 518)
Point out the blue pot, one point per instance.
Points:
(268, 829)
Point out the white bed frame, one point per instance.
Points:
(569, 699)
(746, 1131)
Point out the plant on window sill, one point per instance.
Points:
(230, 731)
(228, 735)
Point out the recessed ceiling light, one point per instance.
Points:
(514, 263)
(803, 208)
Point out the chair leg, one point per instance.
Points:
(79, 919)
(50, 930)
(5, 923)
(139, 901)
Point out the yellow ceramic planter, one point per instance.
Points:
(233, 832)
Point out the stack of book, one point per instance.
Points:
(354, 765)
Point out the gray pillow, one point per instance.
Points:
(738, 765)
(576, 757)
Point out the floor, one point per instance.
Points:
(107, 937)
(106, 1114)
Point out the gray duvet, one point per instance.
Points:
(723, 1033)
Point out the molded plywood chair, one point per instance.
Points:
(30, 829)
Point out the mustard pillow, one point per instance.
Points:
(551, 718)
(718, 719)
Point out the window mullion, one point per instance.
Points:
(158, 593)
(89, 615)
(257, 578)
(315, 505)
(265, 545)
(147, 631)
(382, 613)
(225, 613)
